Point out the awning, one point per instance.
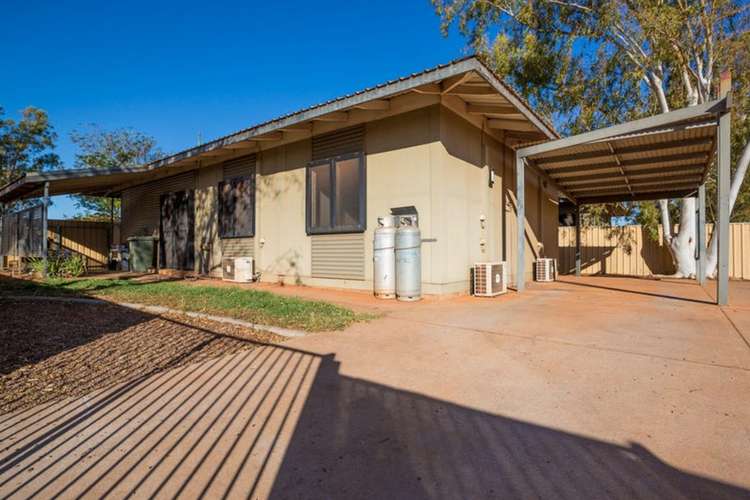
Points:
(93, 182)
(663, 156)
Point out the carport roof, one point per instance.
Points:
(663, 156)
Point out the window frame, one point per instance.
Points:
(220, 192)
(332, 228)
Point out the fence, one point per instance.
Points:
(91, 239)
(628, 250)
(21, 237)
(21, 232)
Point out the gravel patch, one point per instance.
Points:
(54, 350)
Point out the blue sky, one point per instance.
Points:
(180, 70)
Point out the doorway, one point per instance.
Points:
(177, 231)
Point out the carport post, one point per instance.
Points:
(700, 237)
(45, 207)
(722, 202)
(578, 240)
(520, 225)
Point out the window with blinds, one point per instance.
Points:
(336, 189)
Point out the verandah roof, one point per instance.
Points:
(470, 84)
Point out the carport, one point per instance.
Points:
(660, 157)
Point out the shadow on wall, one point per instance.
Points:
(285, 423)
(590, 257)
(206, 204)
(619, 251)
(286, 266)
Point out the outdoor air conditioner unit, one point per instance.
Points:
(238, 269)
(546, 270)
(490, 279)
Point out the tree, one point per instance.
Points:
(102, 149)
(592, 64)
(26, 145)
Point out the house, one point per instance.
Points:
(301, 194)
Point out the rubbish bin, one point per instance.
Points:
(141, 250)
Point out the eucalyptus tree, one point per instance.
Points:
(589, 64)
(26, 145)
(107, 149)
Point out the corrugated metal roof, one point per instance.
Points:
(670, 160)
(30, 185)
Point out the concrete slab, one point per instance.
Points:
(591, 388)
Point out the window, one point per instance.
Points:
(336, 195)
(237, 207)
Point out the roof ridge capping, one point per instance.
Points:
(383, 90)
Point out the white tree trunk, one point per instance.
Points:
(734, 190)
(683, 243)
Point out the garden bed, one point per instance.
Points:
(50, 350)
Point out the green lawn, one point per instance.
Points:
(249, 305)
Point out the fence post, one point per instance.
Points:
(45, 206)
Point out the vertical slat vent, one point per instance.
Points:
(239, 167)
(141, 204)
(340, 142)
(340, 256)
(237, 247)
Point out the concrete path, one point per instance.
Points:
(590, 388)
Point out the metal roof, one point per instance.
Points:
(663, 156)
(483, 94)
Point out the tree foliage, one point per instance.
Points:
(106, 149)
(26, 145)
(590, 64)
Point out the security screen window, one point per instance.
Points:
(237, 207)
(336, 195)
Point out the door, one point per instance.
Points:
(177, 231)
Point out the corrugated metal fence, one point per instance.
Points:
(628, 250)
(21, 237)
(88, 238)
(21, 232)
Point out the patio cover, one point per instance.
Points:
(662, 156)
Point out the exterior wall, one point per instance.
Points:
(462, 197)
(429, 157)
(208, 245)
(282, 248)
(141, 204)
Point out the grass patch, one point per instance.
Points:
(249, 305)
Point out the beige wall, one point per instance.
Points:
(462, 195)
(429, 157)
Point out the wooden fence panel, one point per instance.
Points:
(629, 251)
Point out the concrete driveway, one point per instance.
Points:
(588, 388)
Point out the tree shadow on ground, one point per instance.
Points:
(285, 423)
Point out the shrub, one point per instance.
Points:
(59, 265)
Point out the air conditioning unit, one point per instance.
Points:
(238, 269)
(490, 278)
(546, 270)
